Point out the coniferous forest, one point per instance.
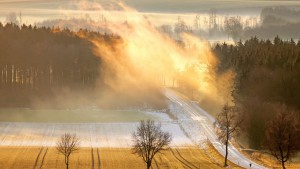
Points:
(57, 68)
(267, 77)
(35, 62)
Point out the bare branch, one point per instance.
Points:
(229, 121)
(149, 140)
(281, 135)
(67, 145)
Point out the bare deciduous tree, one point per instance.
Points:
(234, 28)
(229, 120)
(281, 137)
(12, 18)
(66, 145)
(149, 140)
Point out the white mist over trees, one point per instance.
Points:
(12, 18)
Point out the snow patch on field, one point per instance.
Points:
(90, 134)
(159, 115)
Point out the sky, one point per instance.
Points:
(159, 11)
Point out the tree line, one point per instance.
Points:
(58, 68)
(36, 61)
(273, 21)
(266, 95)
(267, 78)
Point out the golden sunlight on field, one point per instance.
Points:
(271, 162)
(111, 158)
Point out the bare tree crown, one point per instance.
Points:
(229, 121)
(149, 140)
(281, 135)
(67, 145)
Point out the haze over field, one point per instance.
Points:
(215, 74)
(131, 69)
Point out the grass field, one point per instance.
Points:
(107, 158)
(72, 116)
(270, 162)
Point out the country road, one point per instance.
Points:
(205, 123)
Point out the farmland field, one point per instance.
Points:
(108, 158)
(73, 116)
(101, 128)
(28, 137)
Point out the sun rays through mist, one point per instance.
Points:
(143, 60)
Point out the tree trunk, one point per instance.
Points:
(282, 164)
(148, 164)
(14, 76)
(1, 76)
(226, 152)
(67, 162)
(282, 158)
(9, 76)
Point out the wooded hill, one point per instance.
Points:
(35, 61)
(268, 76)
(57, 68)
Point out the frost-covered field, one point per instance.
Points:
(102, 134)
(84, 115)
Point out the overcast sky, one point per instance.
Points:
(37, 10)
(159, 5)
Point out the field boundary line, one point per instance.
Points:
(180, 160)
(156, 163)
(43, 159)
(167, 160)
(37, 158)
(185, 159)
(99, 163)
(4, 133)
(92, 152)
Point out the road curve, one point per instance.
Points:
(197, 114)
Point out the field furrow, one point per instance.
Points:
(110, 158)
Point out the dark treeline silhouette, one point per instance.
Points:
(36, 61)
(267, 77)
(59, 68)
